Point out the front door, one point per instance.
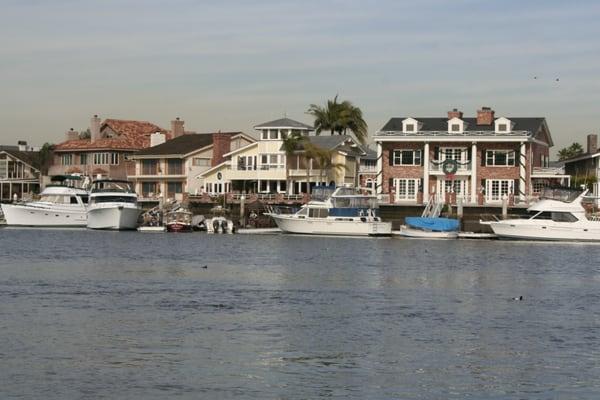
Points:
(457, 187)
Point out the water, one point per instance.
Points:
(125, 315)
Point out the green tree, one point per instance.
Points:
(573, 150)
(86, 134)
(290, 146)
(339, 118)
(45, 156)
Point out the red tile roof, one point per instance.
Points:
(131, 135)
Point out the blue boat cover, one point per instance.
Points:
(433, 224)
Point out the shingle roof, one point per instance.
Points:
(182, 144)
(285, 123)
(441, 124)
(131, 135)
(30, 157)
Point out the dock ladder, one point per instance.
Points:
(433, 208)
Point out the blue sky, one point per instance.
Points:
(232, 64)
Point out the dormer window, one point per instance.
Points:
(455, 128)
(410, 127)
(456, 125)
(503, 125)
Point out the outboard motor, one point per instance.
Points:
(215, 225)
(224, 226)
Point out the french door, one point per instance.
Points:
(495, 189)
(406, 189)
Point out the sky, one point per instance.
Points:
(230, 65)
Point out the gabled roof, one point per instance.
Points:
(31, 158)
(131, 135)
(284, 123)
(182, 145)
(333, 142)
(531, 124)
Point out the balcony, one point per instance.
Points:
(437, 167)
(367, 169)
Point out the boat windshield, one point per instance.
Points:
(321, 193)
(354, 202)
(59, 199)
(566, 195)
(555, 216)
(114, 199)
(112, 186)
(179, 216)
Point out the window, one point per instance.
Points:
(246, 163)
(265, 134)
(67, 159)
(500, 158)
(83, 158)
(496, 189)
(406, 189)
(273, 134)
(174, 188)
(149, 189)
(318, 212)
(201, 162)
(455, 127)
(106, 158)
(174, 167)
(502, 128)
(149, 167)
(272, 161)
(407, 157)
(410, 127)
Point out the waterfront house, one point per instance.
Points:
(477, 159)
(169, 168)
(367, 169)
(264, 167)
(20, 171)
(106, 153)
(586, 167)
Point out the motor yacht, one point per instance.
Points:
(113, 205)
(558, 215)
(61, 204)
(343, 211)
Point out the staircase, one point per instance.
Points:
(433, 208)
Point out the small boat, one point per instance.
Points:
(152, 229)
(430, 228)
(62, 204)
(219, 223)
(152, 221)
(343, 211)
(113, 205)
(558, 215)
(179, 220)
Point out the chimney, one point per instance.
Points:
(455, 114)
(157, 138)
(22, 145)
(592, 143)
(485, 116)
(221, 145)
(95, 129)
(72, 135)
(177, 128)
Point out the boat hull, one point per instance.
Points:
(550, 231)
(179, 227)
(423, 234)
(326, 226)
(115, 217)
(73, 216)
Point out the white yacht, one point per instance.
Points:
(113, 205)
(61, 204)
(559, 215)
(343, 211)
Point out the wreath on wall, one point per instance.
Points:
(450, 166)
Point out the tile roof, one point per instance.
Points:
(131, 135)
(285, 123)
(182, 145)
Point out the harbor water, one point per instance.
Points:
(86, 314)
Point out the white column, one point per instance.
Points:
(474, 185)
(522, 172)
(379, 183)
(426, 173)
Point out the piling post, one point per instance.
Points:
(459, 210)
(242, 211)
(504, 207)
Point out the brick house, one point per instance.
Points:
(107, 152)
(169, 169)
(477, 159)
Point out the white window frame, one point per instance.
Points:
(397, 155)
(67, 159)
(200, 162)
(406, 189)
(106, 159)
(459, 154)
(508, 158)
(495, 189)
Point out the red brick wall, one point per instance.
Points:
(399, 171)
(538, 152)
(221, 145)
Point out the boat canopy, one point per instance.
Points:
(433, 224)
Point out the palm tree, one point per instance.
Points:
(290, 146)
(339, 118)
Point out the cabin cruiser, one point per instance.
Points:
(62, 204)
(341, 211)
(113, 205)
(179, 219)
(558, 215)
